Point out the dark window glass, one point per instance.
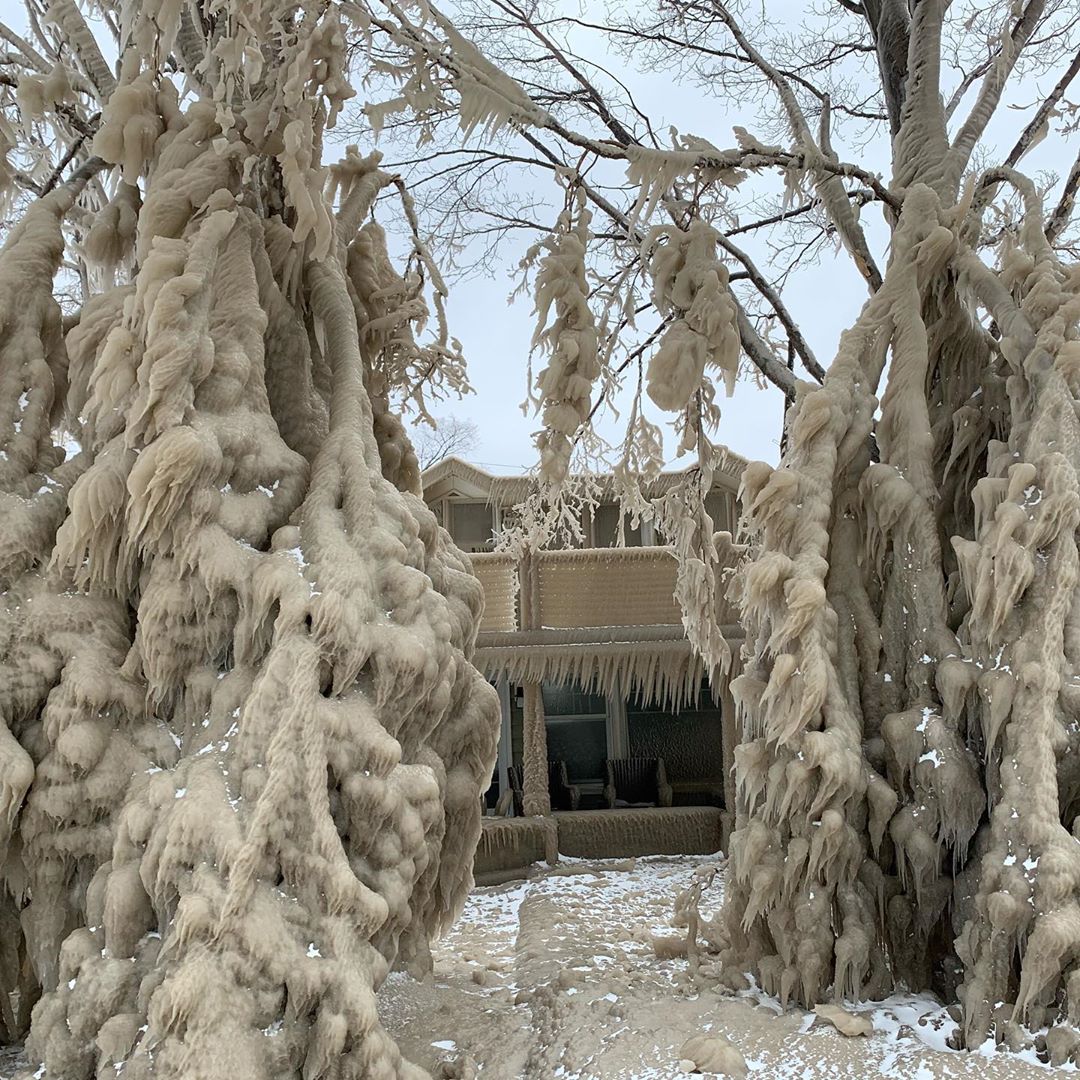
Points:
(471, 525)
(571, 700)
(582, 744)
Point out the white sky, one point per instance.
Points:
(824, 298)
(495, 335)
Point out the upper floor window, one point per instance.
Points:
(720, 506)
(605, 530)
(472, 525)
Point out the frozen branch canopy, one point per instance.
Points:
(241, 742)
(909, 803)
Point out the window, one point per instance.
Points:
(690, 741)
(582, 744)
(720, 506)
(571, 701)
(576, 724)
(509, 518)
(471, 525)
(606, 527)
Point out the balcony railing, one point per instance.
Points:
(498, 573)
(581, 588)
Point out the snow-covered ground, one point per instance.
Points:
(557, 978)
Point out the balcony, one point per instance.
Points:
(603, 618)
(586, 644)
(582, 589)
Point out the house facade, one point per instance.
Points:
(586, 645)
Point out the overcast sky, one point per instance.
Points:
(495, 334)
(823, 298)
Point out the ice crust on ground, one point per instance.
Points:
(556, 977)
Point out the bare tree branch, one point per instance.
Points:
(795, 335)
(450, 437)
(1036, 129)
(990, 94)
(1062, 213)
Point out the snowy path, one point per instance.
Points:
(556, 979)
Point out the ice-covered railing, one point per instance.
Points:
(497, 572)
(585, 588)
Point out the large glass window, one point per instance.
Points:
(571, 701)
(576, 730)
(582, 744)
(690, 741)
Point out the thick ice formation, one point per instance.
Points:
(242, 743)
(911, 656)
(690, 284)
(566, 385)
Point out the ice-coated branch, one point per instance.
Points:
(79, 39)
(795, 335)
(1037, 126)
(1062, 213)
(829, 189)
(991, 90)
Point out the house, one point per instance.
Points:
(586, 644)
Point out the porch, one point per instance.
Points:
(588, 651)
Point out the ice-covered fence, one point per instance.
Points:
(607, 587)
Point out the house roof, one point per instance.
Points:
(455, 476)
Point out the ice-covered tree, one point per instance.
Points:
(241, 741)
(909, 689)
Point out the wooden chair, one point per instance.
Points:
(636, 782)
(563, 794)
(516, 773)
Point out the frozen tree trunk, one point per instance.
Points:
(535, 796)
(241, 741)
(907, 788)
